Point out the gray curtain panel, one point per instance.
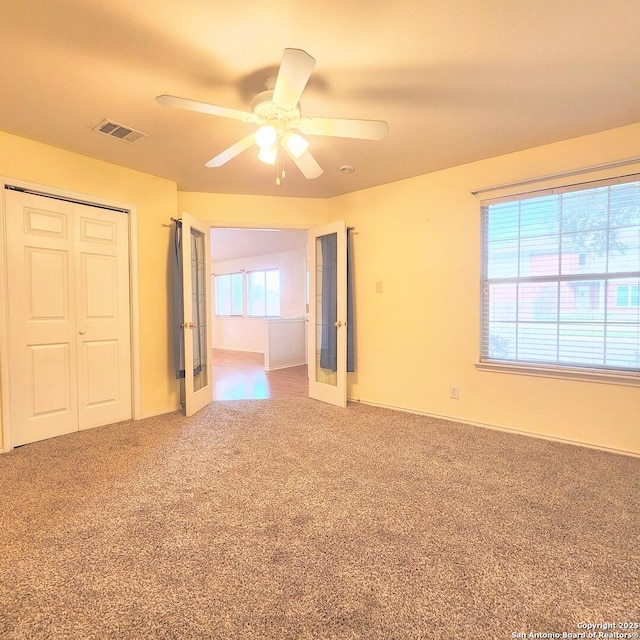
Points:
(351, 324)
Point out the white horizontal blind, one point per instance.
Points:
(561, 277)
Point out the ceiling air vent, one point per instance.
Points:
(119, 131)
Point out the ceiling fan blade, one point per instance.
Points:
(345, 128)
(234, 150)
(307, 164)
(294, 73)
(205, 107)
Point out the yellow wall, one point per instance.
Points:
(421, 238)
(254, 211)
(156, 201)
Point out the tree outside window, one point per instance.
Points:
(561, 277)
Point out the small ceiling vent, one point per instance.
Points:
(119, 131)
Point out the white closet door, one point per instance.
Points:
(68, 296)
(103, 334)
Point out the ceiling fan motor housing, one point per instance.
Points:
(265, 109)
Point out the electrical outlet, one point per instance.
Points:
(379, 286)
(454, 392)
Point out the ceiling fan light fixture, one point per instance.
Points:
(296, 144)
(276, 111)
(266, 136)
(268, 154)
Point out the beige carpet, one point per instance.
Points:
(292, 519)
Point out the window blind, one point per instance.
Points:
(561, 277)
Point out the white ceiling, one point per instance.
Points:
(229, 244)
(456, 80)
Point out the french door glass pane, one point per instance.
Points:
(199, 310)
(326, 275)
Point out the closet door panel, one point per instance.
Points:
(42, 317)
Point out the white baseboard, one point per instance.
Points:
(160, 412)
(495, 427)
(286, 366)
(214, 349)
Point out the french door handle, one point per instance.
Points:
(188, 325)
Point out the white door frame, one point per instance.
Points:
(7, 441)
(338, 226)
(248, 226)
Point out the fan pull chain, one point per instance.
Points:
(281, 173)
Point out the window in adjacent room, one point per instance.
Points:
(628, 295)
(228, 292)
(263, 293)
(561, 278)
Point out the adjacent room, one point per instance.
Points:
(320, 321)
(259, 298)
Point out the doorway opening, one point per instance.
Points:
(259, 289)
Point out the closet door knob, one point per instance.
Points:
(81, 332)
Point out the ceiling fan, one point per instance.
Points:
(277, 111)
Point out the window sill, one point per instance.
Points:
(562, 373)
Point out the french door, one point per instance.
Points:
(327, 251)
(69, 318)
(196, 325)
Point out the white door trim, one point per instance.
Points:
(5, 398)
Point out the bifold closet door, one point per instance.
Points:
(69, 326)
(102, 316)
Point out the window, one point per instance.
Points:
(263, 293)
(561, 278)
(628, 295)
(229, 294)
